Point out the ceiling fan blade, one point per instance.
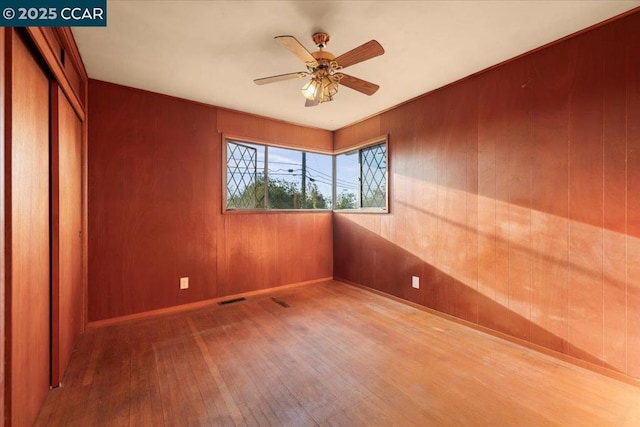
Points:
(360, 85)
(281, 77)
(296, 48)
(369, 50)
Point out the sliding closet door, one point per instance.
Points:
(29, 276)
(67, 302)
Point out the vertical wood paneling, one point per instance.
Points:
(29, 278)
(461, 124)
(472, 204)
(440, 278)
(155, 207)
(402, 157)
(518, 170)
(261, 251)
(522, 214)
(633, 191)
(273, 131)
(502, 184)
(488, 130)
(413, 119)
(403, 187)
(614, 204)
(511, 92)
(551, 77)
(344, 248)
(585, 199)
(154, 179)
(425, 199)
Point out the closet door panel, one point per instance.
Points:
(30, 236)
(67, 215)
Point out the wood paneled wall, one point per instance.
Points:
(514, 197)
(274, 131)
(155, 211)
(151, 201)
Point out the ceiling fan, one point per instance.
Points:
(325, 69)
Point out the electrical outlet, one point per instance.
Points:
(415, 282)
(184, 283)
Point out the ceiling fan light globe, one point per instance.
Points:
(310, 89)
(329, 86)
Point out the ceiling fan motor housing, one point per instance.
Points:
(321, 40)
(323, 57)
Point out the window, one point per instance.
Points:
(263, 177)
(361, 178)
(245, 176)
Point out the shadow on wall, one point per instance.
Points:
(365, 254)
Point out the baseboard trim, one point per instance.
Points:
(535, 347)
(196, 305)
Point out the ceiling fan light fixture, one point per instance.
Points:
(325, 69)
(311, 88)
(320, 88)
(329, 88)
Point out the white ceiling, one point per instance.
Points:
(210, 51)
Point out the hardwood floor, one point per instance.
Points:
(338, 355)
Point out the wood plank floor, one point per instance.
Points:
(338, 355)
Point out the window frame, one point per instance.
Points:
(266, 144)
(382, 139)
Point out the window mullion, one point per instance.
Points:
(360, 178)
(334, 182)
(266, 177)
